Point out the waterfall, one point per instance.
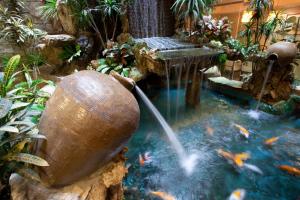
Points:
(150, 18)
(167, 65)
(264, 84)
(187, 162)
(254, 113)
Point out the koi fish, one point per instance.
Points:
(210, 130)
(162, 195)
(238, 194)
(240, 158)
(271, 141)
(243, 131)
(237, 159)
(253, 168)
(291, 170)
(143, 159)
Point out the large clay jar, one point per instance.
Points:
(87, 121)
(284, 52)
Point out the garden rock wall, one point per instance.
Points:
(31, 9)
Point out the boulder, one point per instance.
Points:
(66, 17)
(104, 184)
(58, 40)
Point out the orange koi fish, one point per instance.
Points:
(238, 194)
(141, 160)
(243, 130)
(271, 141)
(162, 195)
(210, 131)
(291, 170)
(237, 159)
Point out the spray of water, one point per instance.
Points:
(255, 113)
(187, 162)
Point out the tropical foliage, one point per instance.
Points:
(70, 53)
(49, 10)
(215, 29)
(118, 58)
(84, 13)
(15, 26)
(262, 24)
(235, 49)
(20, 108)
(191, 10)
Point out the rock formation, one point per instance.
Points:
(279, 84)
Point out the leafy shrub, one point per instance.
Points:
(16, 27)
(21, 106)
(70, 53)
(215, 29)
(235, 48)
(118, 58)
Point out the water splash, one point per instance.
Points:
(187, 162)
(255, 114)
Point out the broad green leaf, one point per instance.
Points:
(37, 107)
(11, 129)
(28, 79)
(105, 70)
(19, 105)
(28, 158)
(23, 137)
(102, 61)
(5, 106)
(11, 66)
(101, 67)
(13, 91)
(25, 123)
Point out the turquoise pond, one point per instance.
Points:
(213, 178)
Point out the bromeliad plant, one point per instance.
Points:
(119, 58)
(215, 29)
(20, 108)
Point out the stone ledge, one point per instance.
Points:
(104, 184)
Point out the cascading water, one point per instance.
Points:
(168, 89)
(187, 162)
(150, 18)
(179, 77)
(255, 113)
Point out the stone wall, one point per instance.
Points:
(31, 9)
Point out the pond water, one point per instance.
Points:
(202, 131)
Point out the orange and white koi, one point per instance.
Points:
(243, 130)
(271, 141)
(146, 158)
(238, 194)
(210, 131)
(237, 159)
(291, 170)
(162, 195)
